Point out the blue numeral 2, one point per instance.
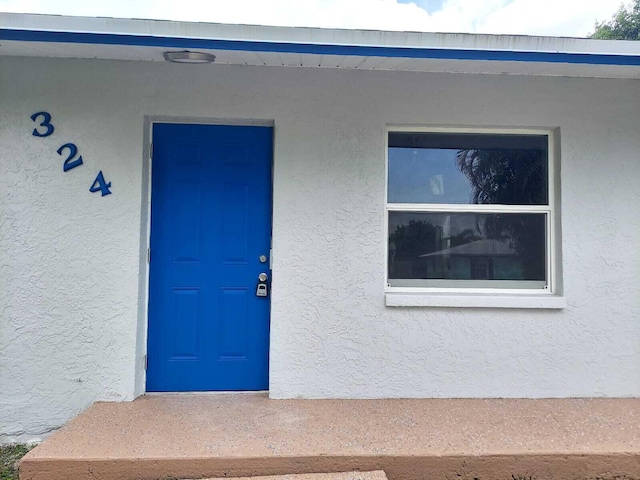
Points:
(100, 185)
(73, 150)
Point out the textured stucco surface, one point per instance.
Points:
(72, 328)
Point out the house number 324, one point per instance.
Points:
(69, 151)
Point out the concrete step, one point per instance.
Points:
(378, 475)
(248, 435)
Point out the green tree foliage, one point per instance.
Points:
(414, 239)
(625, 25)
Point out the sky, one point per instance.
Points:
(570, 18)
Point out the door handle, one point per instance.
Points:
(263, 289)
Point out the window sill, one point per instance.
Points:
(465, 300)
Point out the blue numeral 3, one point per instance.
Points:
(100, 185)
(46, 122)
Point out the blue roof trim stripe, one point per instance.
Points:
(318, 49)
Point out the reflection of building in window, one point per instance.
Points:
(479, 260)
(481, 269)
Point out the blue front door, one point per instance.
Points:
(210, 240)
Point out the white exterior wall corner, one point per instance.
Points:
(72, 270)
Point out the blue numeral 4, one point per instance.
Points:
(100, 185)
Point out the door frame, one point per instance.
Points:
(140, 380)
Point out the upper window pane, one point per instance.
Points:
(465, 168)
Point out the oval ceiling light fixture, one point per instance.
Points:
(185, 56)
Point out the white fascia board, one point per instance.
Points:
(318, 41)
(259, 33)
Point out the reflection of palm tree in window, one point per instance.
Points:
(465, 236)
(511, 177)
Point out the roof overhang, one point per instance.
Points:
(147, 40)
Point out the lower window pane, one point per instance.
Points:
(503, 250)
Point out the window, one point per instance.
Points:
(470, 210)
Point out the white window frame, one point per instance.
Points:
(547, 297)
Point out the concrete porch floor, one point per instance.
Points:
(238, 435)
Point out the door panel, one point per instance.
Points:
(210, 223)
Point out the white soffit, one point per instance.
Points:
(146, 40)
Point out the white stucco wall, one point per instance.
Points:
(72, 329)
